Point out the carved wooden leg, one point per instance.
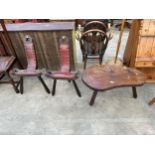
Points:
(12, 82)
(134, 92)
(152, 101)
(76, 88)
(93, 98)
(44, 84)
(54, 87)
(18, 84)
(21, 84)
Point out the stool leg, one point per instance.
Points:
(18, 84)
(44, 85)
(12, 82)
(54, 87)
(134, 92)
(76, 88)
(21, 85)
(93, 98)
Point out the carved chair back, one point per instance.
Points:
(30, 53)
(93, 42)
(95, 25)
(64, 54)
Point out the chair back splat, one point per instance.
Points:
(64, 73)
(31, 70)
(64, 54)
(30, 53)
(93, 45)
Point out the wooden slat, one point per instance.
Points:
(132, 44)
(152, 27)
(144, 64)
(143, 41)
(40, 26)
(149, 72)
(145, 48)
(145, 27)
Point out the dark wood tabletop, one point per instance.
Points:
(104, 77)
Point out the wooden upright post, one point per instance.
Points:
(119, 40)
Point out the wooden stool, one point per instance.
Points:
(105, 77)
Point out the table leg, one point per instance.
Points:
(54, 87)
(12, 82)
(44, 84)
(76, 88)
(93, 98)
(21, 85)
(134, 92)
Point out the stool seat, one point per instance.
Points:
(26, 72)
(63, 75)
(105, 77)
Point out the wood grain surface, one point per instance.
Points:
(106, 77)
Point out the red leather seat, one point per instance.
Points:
(63, 75)
(25, 72)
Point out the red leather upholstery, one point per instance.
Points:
(30, 55)
(64, 72)
(31, 60)
(64, 58)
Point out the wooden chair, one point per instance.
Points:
(6, 63)
(31, 70)
(93, 44)
(64, 73)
